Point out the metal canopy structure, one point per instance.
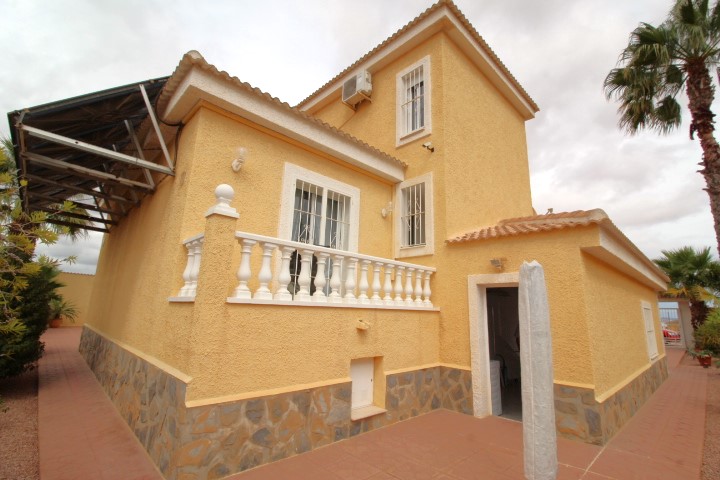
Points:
(104, 151)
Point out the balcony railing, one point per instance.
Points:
(312, 274)
(300, 274)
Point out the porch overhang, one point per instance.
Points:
(104, 151)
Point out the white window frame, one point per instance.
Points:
(403, 136)
(429, 247)
(649, 329)
(291, 175)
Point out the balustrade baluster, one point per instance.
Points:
(418, 288)
(375, 299)
(426, 291)
(184, 291)
(335, 279)
(197, 257)
(388, 286)
(398, 285)
(362, 297)
(304, 279)
(320, 279)
(284, 277)
(350, 281)
(244, 272)
(265, 275)
(409, 286)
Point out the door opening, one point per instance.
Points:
(504, 350)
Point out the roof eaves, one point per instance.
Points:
(194, 59)
(463, 20)
(536, 223)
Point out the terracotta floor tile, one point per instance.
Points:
(570, 473)
(382, 476)
(625, 465)
(406, 469)
(353, 468)
(658, 443)
(492, 461)
(576, 454)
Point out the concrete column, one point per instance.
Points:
(538, 404)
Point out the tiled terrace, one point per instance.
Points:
(82, 436)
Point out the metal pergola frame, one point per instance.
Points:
(105, 151)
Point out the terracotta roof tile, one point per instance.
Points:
(466, 23)
(533, 224)
(193, 58)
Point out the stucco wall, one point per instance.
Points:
(230, 349)
(485, 150)
(560, 257)
(77, 290)
(615, 322)
(480, 171)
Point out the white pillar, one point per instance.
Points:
(320, 279)
(263, 291)
(305, 277)
(350, 281)
(284, 277)
(376, 286)
(418, 288)
(427, 291)
(398, 285)
(335, 280)
(409, 287)
(538, 405)
(364, 284)
(388, 286)
(244, 272)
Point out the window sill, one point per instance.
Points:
(365, 412)
(418, 251)
(412, 136)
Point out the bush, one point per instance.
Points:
(19, 351)
(707, 336)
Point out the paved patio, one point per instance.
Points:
(83, 437)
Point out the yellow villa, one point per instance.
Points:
(278, 278)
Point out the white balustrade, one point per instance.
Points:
(302, 274)
(192, 268)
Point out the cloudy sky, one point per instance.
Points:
(559, 50)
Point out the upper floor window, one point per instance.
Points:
(413, 102)
(319, 210)
(320, 216)
(414, 223)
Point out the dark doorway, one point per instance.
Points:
(504, 348)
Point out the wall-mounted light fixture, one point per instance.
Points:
(429, 146)
(387, 210)
(239, 160)
(498, 263)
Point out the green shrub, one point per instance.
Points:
(19, 351)
(707, 336)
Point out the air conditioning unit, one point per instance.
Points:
(357, 88)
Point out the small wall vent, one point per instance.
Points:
(357, 89)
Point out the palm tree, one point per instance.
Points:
(695, 276)
(657, 64)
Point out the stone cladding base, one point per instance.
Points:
(579, 416)
(213, 441)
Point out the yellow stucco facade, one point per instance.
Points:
(229, 350)
(77, 290)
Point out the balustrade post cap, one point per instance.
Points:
(224, 194)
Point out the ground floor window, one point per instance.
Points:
(649, 330)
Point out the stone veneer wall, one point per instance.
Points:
(579, 416)
(213, 441)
